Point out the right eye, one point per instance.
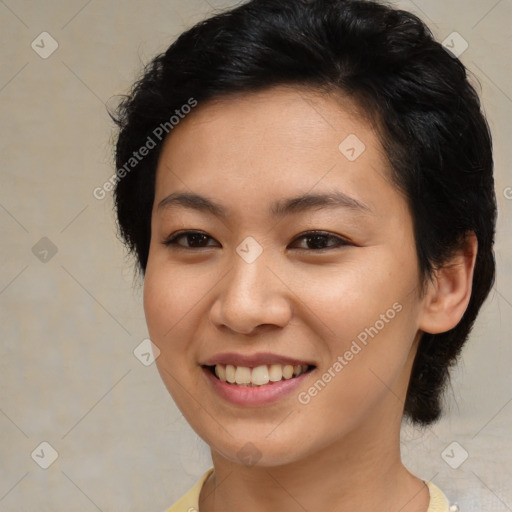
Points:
(194, 240)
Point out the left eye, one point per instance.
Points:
(195, 239)
(320, 240)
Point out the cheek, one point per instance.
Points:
(345, 299)
(171, 294)
(159, 304)
(174, 306)
(168, 305)
(368, 324)
(365, 371)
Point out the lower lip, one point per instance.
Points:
(255, 395)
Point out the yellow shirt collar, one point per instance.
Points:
(190, 501)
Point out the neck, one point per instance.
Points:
(343, 476)
(360, 470)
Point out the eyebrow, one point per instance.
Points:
(280, 208)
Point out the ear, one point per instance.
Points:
(449, 290)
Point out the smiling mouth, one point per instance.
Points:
(258, 375)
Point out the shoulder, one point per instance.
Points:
(438, 501)
(189, 502)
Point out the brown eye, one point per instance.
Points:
(193, 240)
(318, 240)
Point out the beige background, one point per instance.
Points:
(69, 325)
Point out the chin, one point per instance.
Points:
(253, 451)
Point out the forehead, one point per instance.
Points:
(296, 119)
(281, 141)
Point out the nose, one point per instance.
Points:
(252, 297)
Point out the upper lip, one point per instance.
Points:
(253, 360)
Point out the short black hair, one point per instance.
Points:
(428, 115)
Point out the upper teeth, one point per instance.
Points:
(258, 376)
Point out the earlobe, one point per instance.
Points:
(449, 290)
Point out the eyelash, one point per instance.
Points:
(171, 241)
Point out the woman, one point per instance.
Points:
(308, 189)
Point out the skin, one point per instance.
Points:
(341, 451)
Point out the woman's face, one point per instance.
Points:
(252, 291)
